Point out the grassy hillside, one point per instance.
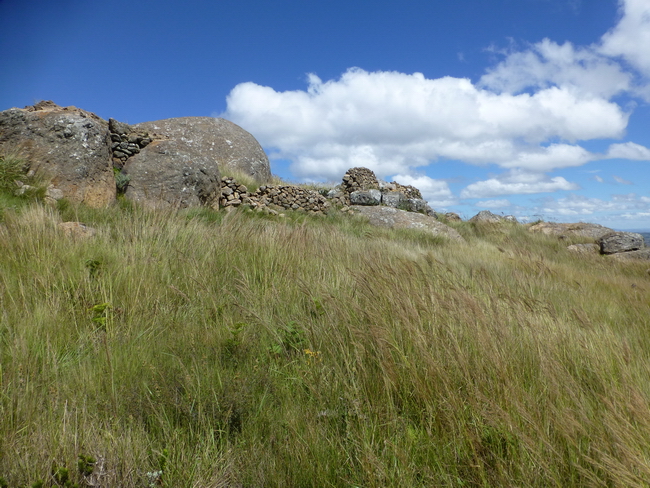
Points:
(199, 349)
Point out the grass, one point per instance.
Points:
(199, 348)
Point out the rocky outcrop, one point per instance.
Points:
(67, 145)
(230, 146)
(617, 242)
(581, 229)
(393, 218)
(485, 216)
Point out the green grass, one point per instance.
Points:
(199, 348)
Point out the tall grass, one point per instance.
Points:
(209, 349)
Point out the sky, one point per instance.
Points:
(534, 108)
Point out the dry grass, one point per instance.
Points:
(316, 352)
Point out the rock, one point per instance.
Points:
(580, 229)
(451, 217)
(392, 218)
(616, 242)
(365, 197)
(77, 230)
(117, 127)
(173, 173)
(590, 248)
(230, 146)
(487, 217)
(394, 199)
(68, 145)
(639, 255)
(419, 205)
(409, 191)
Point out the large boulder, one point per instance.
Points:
(173, 173)
(392, 218)
(230, 146)
(616, 242)
(580, 229)
(67, 145)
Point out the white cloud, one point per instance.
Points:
(547, 63)
(393, 122)
(516, 182)
(628, 150)
(630, 38)
(627, 207)
(598, 179)
(436, 192)
(493, 204)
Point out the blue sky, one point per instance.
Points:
(537, 108)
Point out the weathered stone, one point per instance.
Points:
(230, 146)
(173, 173)
(639, 255)
(394, 199)
(365, 197)
(118, 127)
(419, 205)
(579, 229)
(393, 218)
(68, 145)
(589, 248)
(616, 242)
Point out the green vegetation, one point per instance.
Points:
(199, 348)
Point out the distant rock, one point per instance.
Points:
(619, 242)
(230, 146)
(392, 218)
(581, 229)
(485, 216)
(68, 145)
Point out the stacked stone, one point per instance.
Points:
(291, 198)
(409, 191)
(356, 179)
(125, 142)
(232, 193)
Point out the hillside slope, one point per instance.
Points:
(199, 348)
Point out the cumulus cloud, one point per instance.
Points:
(516, 182)
(436, 192)
(394, 122)
(628, 150)
(630, 38)
(548, 64)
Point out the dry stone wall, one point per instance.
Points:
(271, 198)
